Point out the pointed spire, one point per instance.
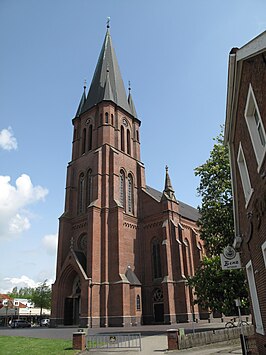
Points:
(130, 102)
(82, 100)
(168, 192)
(99, 86)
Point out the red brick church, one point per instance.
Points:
(125, 249)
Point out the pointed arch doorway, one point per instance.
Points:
(158, 306)
(72, 304)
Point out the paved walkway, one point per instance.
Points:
(157, 344)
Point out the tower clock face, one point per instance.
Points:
(125, 122)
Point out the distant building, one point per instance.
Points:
(245, 133)
(19, 308)
(125, 249)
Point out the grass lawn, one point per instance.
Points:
(33, 346)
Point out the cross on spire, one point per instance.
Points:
(108, 22)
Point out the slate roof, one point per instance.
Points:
(107, 83)
(132, 278)
(81, 103)
(185, 210)
(131, 105)
(82, 259)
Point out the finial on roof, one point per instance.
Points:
(108, 22)
(85, 84)
(168, 189)
(129, 85)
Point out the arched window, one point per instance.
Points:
(128, 142)
(137, 132)
(122, 188)
(89, 187)
(81, 193)
(200, 251)
(138, 302)
(188, 257)
(83, 141)
(106, 117)
(112, 119)
(90, 138)
(130, 191)
(122, 138)
(156, 260)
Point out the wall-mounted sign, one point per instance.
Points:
(230, 259)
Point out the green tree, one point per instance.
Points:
(216, 289)
(23, 292)
(41, 296)
(216, 222)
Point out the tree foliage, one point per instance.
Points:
(216, 289)
(41, 296)
(216, 222)
(23, 292)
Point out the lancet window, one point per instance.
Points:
(122, 188)
(122, 138)
(130, 192)
(156, 260)
(83, 141)
(81, 191)
(90, 138)
(89, 187)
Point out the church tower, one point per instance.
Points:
(121, 255)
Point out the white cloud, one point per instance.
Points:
(7, 140)
(49, 243)
(18, 224)
(23, 281)
(14, 219)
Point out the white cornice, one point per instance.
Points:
(255, 46)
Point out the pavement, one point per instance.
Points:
(157, 344)
(153, 338)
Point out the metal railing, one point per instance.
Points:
(114, 341)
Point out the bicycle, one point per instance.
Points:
(232, 323)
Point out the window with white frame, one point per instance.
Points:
(263, 248)
(255, 126)
(243, 170)
(254, 298)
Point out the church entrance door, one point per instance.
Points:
(68, 311)
(158, 312)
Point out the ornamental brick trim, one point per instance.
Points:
(130, 225)
(79, 225)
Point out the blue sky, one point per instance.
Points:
(175, 54)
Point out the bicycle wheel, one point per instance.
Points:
(244, 323)
(229, 325)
